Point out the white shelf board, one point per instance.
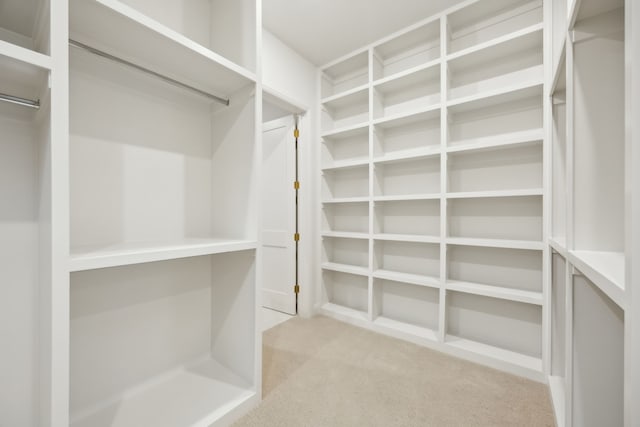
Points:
(357, 96)
(414, 154)
(196, 396)
(120, 30)
(346, 93)
(522, 90)
(345, 235)
(406, 328)
(121, 254)
(407, 238)
(496, 243)
(496, 193)
(518, 295)
(346, 164)
(556, 388)
(531, 136)
(582, 9)
(408, 72)
(605, 269)
(498, 48)
(342, 312)
(401, 198)
(412, 279)
(559, 244)
(345, 131)
(430, 112)
(346, 200)
(517, 359)
(27, 56)
(345, 268)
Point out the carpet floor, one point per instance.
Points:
(323, 373)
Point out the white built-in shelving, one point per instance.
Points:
(128, 264)
(432, 184)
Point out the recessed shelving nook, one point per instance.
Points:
(162, 254)
(453, 178)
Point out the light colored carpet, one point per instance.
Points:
(320, 372)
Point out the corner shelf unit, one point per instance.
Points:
(432, 185)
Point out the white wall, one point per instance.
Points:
(290, 74)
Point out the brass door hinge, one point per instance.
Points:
(296, 185)
(296, 133)
(296, 289)
(296, 237)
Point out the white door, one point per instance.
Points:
(278, 207)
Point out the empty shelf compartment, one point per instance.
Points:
(405, 307)
(414, 133)
(421, 259)
(345, 75)
(349, 217)
(407, 177)
(347, 291)
(345, 111)
(342, 183)
(408, 217)
(412, 92)
(346, 147)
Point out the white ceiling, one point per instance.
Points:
(323, 30)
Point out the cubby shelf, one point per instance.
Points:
(526, 38)
(91, 258)
(342, 312)
(407, 72)
(501, 292)
(508, 93)
(522, 360)
(148, 43)
(345, 130)
(533, 136)
(496, 243)
(425, 196)
(497, 193)
(418, 153)
(345, 200)
(406, 238)
(413, 279)
(335, 99)
(605, 270)
(197, 395)
(430, 112)
(345, 164)
(345, 268)
(345, 235)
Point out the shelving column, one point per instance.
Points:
(444, 180)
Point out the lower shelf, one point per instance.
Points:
(510, 357)
(95, 257)
(517, 295)
(196, 396)
(345, 268)
(414, 279)
(406, 328)
(343, 313)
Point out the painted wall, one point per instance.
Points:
(290, 74)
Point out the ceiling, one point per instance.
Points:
(324, 30)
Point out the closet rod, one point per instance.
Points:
(169, 80)
(20, 101)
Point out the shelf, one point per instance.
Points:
(406, 238)
(504, 46)
(413, 279)
(345, 235)
(335, 99)
(406, 328)
(500, 292)
(345, 164)
(345, 75)
(91, 258)
(345, 200)
(521, 360)
(24, 72)
(430, 112)
(412, 91)
(195, 396)
(583, 9)
(398, 156)
(425, 196)
(345, 268)
(345, 131)
(496, 243)
(406, 73)
(343, 313)
(605, 269)
(347, 110)
(533, 136)
(498, 193)
(525, 89)
(147, 43)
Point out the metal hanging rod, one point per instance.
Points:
(20, 101)
(169, 80)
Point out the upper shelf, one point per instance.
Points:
(582, 9)
(605, 269)
(91, 258)
(516, 91)
(23, 72)
(345, 75)
(146, 42)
